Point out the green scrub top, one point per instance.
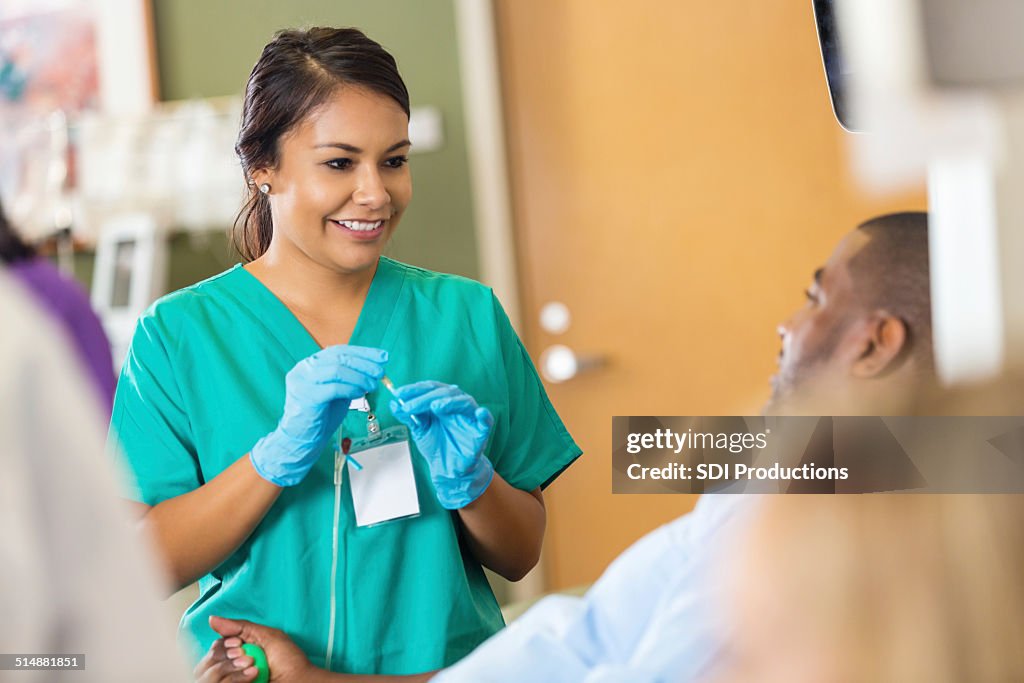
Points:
(204, 380)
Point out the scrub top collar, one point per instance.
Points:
(372, 328)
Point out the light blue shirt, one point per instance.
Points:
(651, 617)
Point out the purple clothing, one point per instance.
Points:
(66, 301)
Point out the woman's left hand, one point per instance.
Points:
(450, 430)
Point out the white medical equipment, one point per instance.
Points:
(939, 87)
(130, 273)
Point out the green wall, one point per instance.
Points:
(206, 48)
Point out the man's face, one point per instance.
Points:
(813, 337)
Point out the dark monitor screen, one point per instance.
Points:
(124, 262)
(836, 70)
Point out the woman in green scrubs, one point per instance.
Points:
(235, 391)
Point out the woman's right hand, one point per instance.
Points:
(318, 391)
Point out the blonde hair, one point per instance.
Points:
(897, 587)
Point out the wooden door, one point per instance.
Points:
(677, 175)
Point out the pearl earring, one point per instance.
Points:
(265, 188)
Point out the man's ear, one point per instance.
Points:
(884, 340)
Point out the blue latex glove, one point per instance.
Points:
(450, 432)
(317, 395)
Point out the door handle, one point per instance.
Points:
(559, 363)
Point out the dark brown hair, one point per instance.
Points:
(891, 272)
(297, 72)
(12, 247)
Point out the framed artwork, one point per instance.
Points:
(61, 60)
(48, 60)
(77, 55)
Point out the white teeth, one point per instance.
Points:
(361, 226)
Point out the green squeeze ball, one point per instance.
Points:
(259, 660)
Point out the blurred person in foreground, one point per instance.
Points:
(879, 588)
(862, 338)
(65, 301)
(74, 577)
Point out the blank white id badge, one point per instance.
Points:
(385, 488)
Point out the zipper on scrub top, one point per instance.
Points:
(339, 463)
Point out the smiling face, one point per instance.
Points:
(813, 338)
(342, 182)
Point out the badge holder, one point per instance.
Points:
(384, 489)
